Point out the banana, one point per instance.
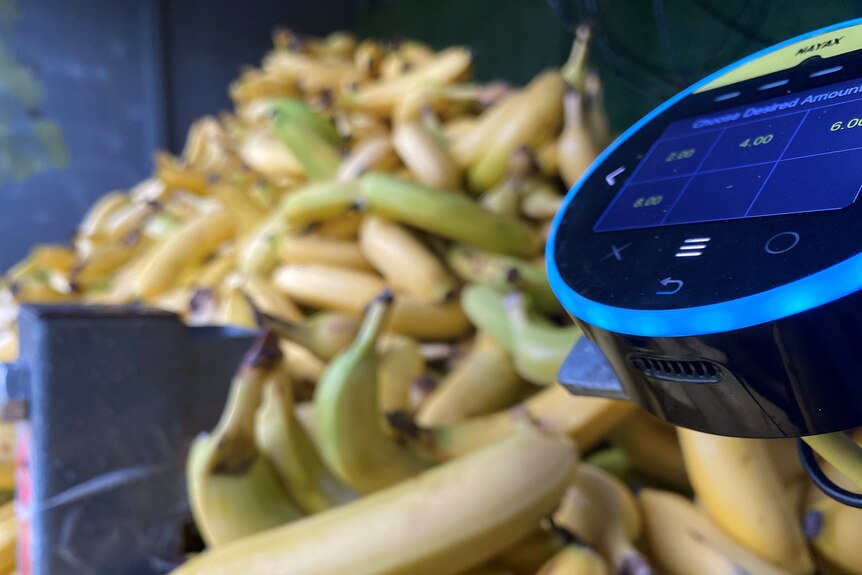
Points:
(374, 153)
(541, 200)
(684, 541)
(368, 56)
(504, 273)
(8, 345)
(303, 367)
(353, 440)
(535, 121)
(247, 213)
(584, 419)
(785, 458)
(538, 350)
(8, 537)
(188, 247)
(575, 559)
(600, 510)
(452, 216)
(597, 121)
(653, 450)
(404, 261)
(423, 321)
(318, 156)
(486, 310)
(29, 290)
(324, 286)
(266, 300)
(321, 250)
(128, 220)
(548, 159)
(233, 490)
(317, 202)
(477, 137)
(835, 532)
(102, 260)
(96, 219)
(575, 68)
(206, 146)
(615, 461)
(234, 308)
(176, 174)
(284, 441)
(324, 334)
(504, 198)
(425, 156)
(254, 85)
(441, 523)
(344, 227)
(300, 113)
(215, 271)
(741, 490)
(401, 362)
(257, 253)
(8, 442)
(381, 97)
(265, 154)
(841, 451)
(483, 382)
(576, 149)
(42, 260)
(527, 556)
(309, 73)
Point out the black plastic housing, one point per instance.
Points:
(801, 375)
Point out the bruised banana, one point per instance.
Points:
(683, 540)
(353, 440)
(742, 492)
(406, 263)
(576, 559)
(481, 505)
(284, 441)
(483, 382)
(600, 510)
(538, 350)
(233, 490)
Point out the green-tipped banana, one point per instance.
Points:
(452, 216)
(233, 490)
(350, 426)
(504, 273)
(299, 112)
(539, 350)
(325, 334)
(319, 158)
(287, 445)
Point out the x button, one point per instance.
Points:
(616, 252)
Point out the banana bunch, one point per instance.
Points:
(381, 218)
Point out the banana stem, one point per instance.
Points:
(376, 317)
(841, 452)
(573, 69)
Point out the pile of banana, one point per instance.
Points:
(381, 218)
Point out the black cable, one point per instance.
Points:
(812, 468)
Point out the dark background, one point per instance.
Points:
(90, 88)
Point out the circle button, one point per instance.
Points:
(781, 242)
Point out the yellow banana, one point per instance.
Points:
(309, 73)
(548, 159)
(441, 523)
(452, 216)
(575, 559)
(597, 120)
(374, 153)
(381, 97)
(102, 260)
(740, 488)
(284, 441)
(8, 345)
(8, 537)
(317, 202)
(835, 531)
(303, 367)
(541, 200)
(785, 458)
(324, 286)
(423, 321)
(406, 263)
(258, 252)
(128, 220)
(214, 272)
(425, 156)
(320, 250)
(368, 56)
(233, 490)
(188, 247)
(234, 308)
(352, 437)
(176, 174)
(584, 419)
(653, 450)
(255, 85)
(247, 213)
(266, 300)
(344, 227)
(266, 155)
(8, 442)
(535, 121)
(600, 510)
(478, 137)
(527, 556)
(324, 334)
(96, 219)
(401, 362)
(684, 541)
(43, 259)
(483, 382)
(538, 350)
(504, 198)
(576, 149)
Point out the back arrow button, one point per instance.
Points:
(611, 178)
(668, 281)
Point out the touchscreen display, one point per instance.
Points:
(800, 152)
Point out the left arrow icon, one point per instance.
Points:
(668, 282)
(611, 178)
